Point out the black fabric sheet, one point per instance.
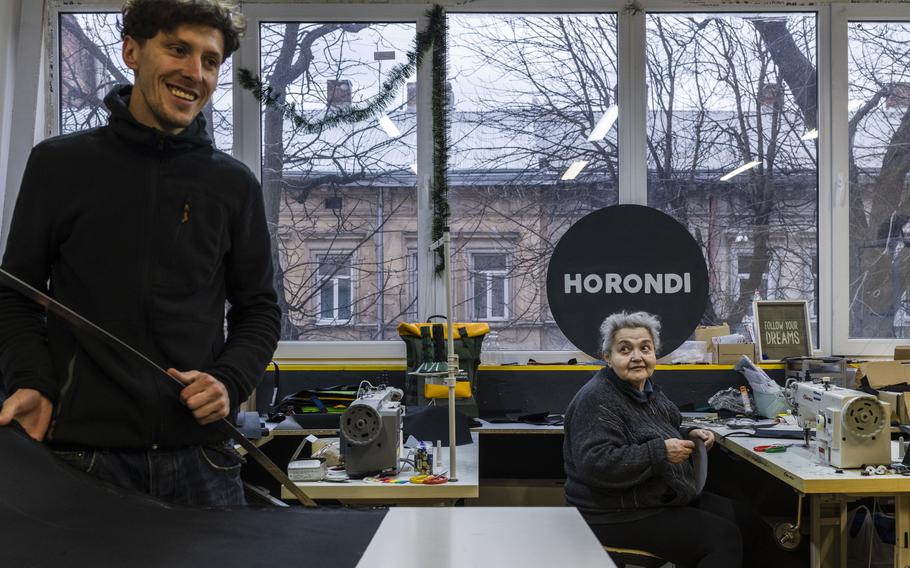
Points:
(54, 515)
(432, 423)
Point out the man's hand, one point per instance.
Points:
(205, 395)
(31, 409)
(678, 450)
(706, 436)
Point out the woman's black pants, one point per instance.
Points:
(703, 534)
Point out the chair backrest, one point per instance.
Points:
(700, 464)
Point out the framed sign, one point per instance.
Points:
(782, 329)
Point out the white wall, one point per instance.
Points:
(9, 36)
(21, 89)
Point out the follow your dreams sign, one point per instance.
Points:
(627, 257)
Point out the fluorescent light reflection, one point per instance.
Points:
(386, 123)
(604, 124)
(573, 170)
(811, 135)
(741, 169)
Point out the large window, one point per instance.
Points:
(91, 65)
(346, 191)
(721, 123)
(534, 149)
(879, 200)
(732, 132)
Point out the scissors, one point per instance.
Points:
(429, 479)
(771, 448)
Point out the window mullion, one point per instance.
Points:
(633, 167)
(839, 176)
(825, 308)
(247, 128)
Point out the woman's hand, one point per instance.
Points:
(678, 450)
(706, 436)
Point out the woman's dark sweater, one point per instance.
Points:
(615, 457)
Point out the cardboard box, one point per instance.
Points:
(900, 405)
(884, 373)
(706, 332)
(902, 353)
(731, 353)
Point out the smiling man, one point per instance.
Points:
(148, 231)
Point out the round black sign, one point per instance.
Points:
(627, 257)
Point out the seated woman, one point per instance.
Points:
(626, 459)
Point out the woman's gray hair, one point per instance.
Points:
(626, 320)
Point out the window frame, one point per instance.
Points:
(833, 80)
(839, 308)
(504, 273)
(335, 279)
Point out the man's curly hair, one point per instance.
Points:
(143, 19)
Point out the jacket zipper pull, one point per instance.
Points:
(186, 213)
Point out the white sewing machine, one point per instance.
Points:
(852, 427)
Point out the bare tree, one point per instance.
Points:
(879, 138)
(529, 93)
(717, 100)
(330, 195)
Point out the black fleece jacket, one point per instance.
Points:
(147, 235)
(615, 457)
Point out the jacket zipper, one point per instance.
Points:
(151, 201)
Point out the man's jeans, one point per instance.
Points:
(195, 475)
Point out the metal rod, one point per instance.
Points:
(452, 359)
(84, 325)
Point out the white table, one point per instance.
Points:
(516, 428)
(359, 491)
(829, 492)
(484, 537)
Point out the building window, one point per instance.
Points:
(411, 310)
(489, 286)
(335, 295)
(744, 263)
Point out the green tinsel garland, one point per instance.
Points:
(434, 37)
(440, 190)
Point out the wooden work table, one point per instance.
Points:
(360, 491)
(828, 491)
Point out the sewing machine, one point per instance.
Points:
(852, 427)
(370, 431)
